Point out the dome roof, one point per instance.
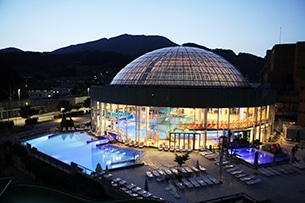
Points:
(180, 66)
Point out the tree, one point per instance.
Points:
(78, 106)
(181, 159)
(27, 111)
(64, 106)
(87, 103)
(66, 123)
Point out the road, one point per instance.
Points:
(46, 123)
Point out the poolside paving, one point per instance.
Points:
(278, 188)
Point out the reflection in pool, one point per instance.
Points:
(78, 147)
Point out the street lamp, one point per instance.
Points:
(19, 96)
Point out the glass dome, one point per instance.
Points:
(180, 66)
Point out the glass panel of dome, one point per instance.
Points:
(183, 61)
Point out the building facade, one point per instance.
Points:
(285, 72)
(182, 97)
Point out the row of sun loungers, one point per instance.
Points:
(102, 175)
(172, 149)
(129, 189)
(278, 170)
(191, 177)
(299, 165)
(209, 155)
(64, 129)
(172, 172)
(242, 175)
(135, 191)
(196, 182)
(133, 143)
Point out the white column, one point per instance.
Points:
(205, 126)
(126, 127)
(102, 118)
(147, 120)
(254, 123)
(138, 133)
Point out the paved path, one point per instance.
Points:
(280, 188)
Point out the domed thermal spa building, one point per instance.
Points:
(182, 97)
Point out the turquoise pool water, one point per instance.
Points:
(247, 154)
(78, 147)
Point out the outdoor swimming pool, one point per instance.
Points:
(80, 148)
(247, 154)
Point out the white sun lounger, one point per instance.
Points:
(247, 178)
(155, 173)
(211, 156)
(229, 166)
(202, 169)
(200, 181)
(179, 184)
(236, 172)
(168, 172)
(204, 153)
(149, 174)
(240, 175)
(253, 181)
(186, 183)
(273, 171)
(196, 170)
(175, 171)
(194, 182)
(213, 179)
(122, 182)
(232, 169)
(136, 189)
(188, 169)
(223, 163)
(266, 172)
(161, 178)
(130, 186)
(182, 170)
(166, 148)
(207, 180)
(161, 172)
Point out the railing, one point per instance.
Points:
(7, 184)
(32, 134)
(85, 170)
(232, 198)
(50, 160)
(57, 163)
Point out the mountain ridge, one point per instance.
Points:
(121, 44)
(104, 53)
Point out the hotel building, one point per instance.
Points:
(182, 97)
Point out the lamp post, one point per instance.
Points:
(19, 96)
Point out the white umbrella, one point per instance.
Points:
(197, 164)
(98, 168)
(107, 170)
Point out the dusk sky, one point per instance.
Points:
(249, 26)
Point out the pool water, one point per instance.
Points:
(80, 148)
(247, 154)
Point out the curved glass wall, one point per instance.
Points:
(185, 128)
(180, 66)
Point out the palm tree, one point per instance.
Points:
(181, 159)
